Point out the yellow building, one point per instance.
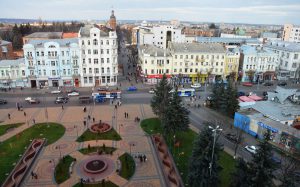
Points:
(232, 58)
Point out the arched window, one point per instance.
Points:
(108, 70)
(95, 42)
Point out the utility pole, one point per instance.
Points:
(214, 130)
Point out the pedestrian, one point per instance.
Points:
(127, 115)
(89, 117)
(62, 107)
(93, 119)
(116, 106)
(32, 175)
(84, 123)
(25, 114)
(124, 114)
(144, 158)
(18, 108)
(141, 158)
(33, 120)
(8, 115)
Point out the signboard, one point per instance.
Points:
(267, 127)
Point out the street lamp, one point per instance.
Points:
(214, 130)
(130, 144)
(75, 126)
(58, 147)
(52, 161)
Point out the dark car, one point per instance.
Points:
(241, 94)
(3, 101)
(101, 89)
(232, 137)
(282, 84)
(265, 93)
(268, 84)
(132, 88)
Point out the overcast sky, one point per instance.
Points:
(234, 11)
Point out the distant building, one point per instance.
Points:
(112, 23)
(289, 59)
(224, 35)
(70, 35)
(230, 41)
(42, 36)
(99, 56)
(13, 73)
(190, 31)
(175, 22)
(6, 50)
(257, 64)
(291, 33)
(52, 63)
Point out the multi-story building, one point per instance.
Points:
(13, 73)
(291, 33)
(257, 64)
(232, 59)
(158, 36)
(99, 56)
(6, 50)
(52, 62)
(184, 62)
(289, 59)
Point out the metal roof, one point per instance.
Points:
(16, 62)
(284, 46)
(49, 35)
(61, 42)
(153, 50)
(197, 48)
(85, 31)
(226, 40)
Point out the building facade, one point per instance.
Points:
(291, 33)
(13, 73)
(99, 57)
(184, 63)
(289, 59)
(232, 59)
(52, 63)
(257, 64)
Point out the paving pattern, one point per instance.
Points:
(133, 141)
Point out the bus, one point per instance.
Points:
(185, 92)
(107, 94)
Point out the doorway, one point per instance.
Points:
(33, 83)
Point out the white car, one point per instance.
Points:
(73, 94)
(55, 91)
(28, 99)
(196, 85)
(151, 91)
(251, 148)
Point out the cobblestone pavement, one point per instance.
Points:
(134, 141)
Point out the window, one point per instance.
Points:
(186, 56)
(69, 72)
(83, 61)
(102, 60)
(42, 53)
(89, 43)
(89, 51)
(295, 56)
(96, 61)
(90, 79)
(95, 41)
(107, 60)
(39, 62)
(192, 56)
(108, 70)
(62, 53)
(191, 70)
(52, 63)
(95, 51)
(294, 65)
(96, 70)
(107, 42)
(43, 71)
(37, 53)
(40, 72)
(102, 70)
(101, 42)
(181, 56)
(175, 56)
(64, 71)
(63, 62)
(90, 70)
(82, 42)
(107, 51)
(101, 51)
(84, 70)
(83, 52)
(23, 73)
(53, 72)
(90, 60)
(85, 79)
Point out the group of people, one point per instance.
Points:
(34, 175)
(137, 119)
(142, 158)
(126, 115)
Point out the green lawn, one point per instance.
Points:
(106, 150)
(106, 184)
(62, 169)
(128, 166)
(4, 128)
(15, 146)
(182, 153)
(228, 164)
(88, 135)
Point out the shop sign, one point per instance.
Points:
(267, 127)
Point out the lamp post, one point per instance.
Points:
(130, 144)
(58, 147)
(214, 130)
(75, 126)
(52, 161)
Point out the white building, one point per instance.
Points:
(291, 33)
(289, 59)
(257, 63)
(13, 73)
(159, 35)
(99, 54)
(52, 63)
(185, 62)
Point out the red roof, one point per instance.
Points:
(70, 35)
(246, 99)
(255, 97)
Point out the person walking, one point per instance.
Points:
(8, 115)
(33, 120)
(25, 114)
(62, 107)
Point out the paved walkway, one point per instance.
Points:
(133, 141)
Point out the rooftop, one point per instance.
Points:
(85, 31)
(153, 50)
(16, 62)
(284, 46)
(3, 42)
(70, 35)
(226, 40)
(46, 35)
(197, 48)
(61, 42)
(249, 50)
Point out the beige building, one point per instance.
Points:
(183, 62)
(291, 33)
(232, 59)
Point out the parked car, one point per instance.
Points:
(132, 88)
(55, 91)
(282, 84)
(196, 85)
(251, 148)
(232, 137)
(3, 101)
(151, 91)
(70, 90)
(74, 93)
(268, 84)
(61, 100)
(297, 175)
(265, 93)
(241, 94)
(248, 84)
(101, 89)
(33, 101)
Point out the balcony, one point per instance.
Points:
(52, 57)
(76, 66)
(31, 76)
(31, 67)
(75, 56)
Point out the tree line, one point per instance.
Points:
(17, 32)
